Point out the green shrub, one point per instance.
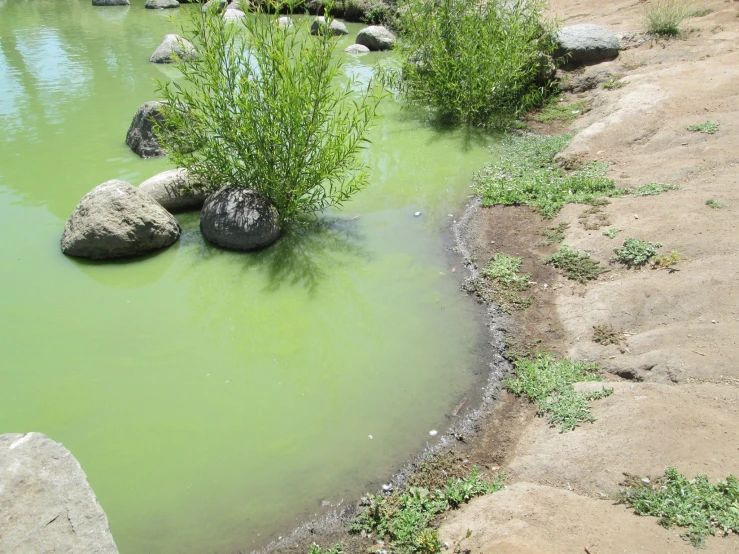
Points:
(697, 505)
(549, 383)
(636, 252)
(611, 233)
(715, 204)
(267, 107)
(525, 173)
(404, 518)
(664, 17)
(480, 63)
(578, 266)
(508, 282)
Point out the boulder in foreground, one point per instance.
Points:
(171, 47)
(141, 137)
(47, 504)
(587, 43)
(116, 220)
(175, 190)
(376, 37)
(239, 219)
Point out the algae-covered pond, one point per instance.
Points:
(216, 398)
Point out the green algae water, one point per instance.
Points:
(214, 398)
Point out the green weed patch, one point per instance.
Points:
(525, 174)
(702, 508)
(504, 273)
(549, 382)
(578, 266)
(636, 252)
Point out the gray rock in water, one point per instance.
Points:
(336, 28)
(116, 220)
(285, 21)
(587, 43)
(356, 49)
(376, 37)
(141, 137)
(111, 3)
(175, 190)
(233, 15)
(216, 5)
(173, 46)
(161, 4)
(46, 503)
(239, 219)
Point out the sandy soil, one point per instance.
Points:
(676, 398)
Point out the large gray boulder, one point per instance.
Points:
(586, 43)
(141, 137)
(239, 219)
(336, 28)
(216, 5)
(46, 503)
(175, 190)
(376, 37)
(116, 220)
(233, 15)
(161, 4)
(111, 3)
(173, 46)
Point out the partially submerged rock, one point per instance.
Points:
(46, 503)
(216, 5)
(111, 3)
(376, 37)
(239, 219)
(175, 190)
(587, 43)
(285, 21)
(356, 49)
(336, 28)
(173, 46)
(161, 4)
(233, 15)
(141, 137)
(116, 220)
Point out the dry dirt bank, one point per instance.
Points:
(676, 399)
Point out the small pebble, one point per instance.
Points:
(387, 487)
(713, 321)
(636, 216)
(433, 432)
(417, 214)
(370, 436)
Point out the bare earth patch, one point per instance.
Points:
(676, 399)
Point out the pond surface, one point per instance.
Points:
(215, 398)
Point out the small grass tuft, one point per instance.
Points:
(702, 508)
(594, 218)
(554, 235)
(664, 17)
(636, 252)
(715, 204)
(404, 519)
(578, 266)
(701, 13)
(707, 127)
(557, 111)
(606, 334)
(652, 189)
(525, 174)
(613, 84)
(549, 383)
(315, 549)
(666, 261)
(508, 282)
(611, 233)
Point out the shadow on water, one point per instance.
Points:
(305, 255)
(126, 273)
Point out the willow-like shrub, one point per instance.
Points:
(268, 107)
(474, 62)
